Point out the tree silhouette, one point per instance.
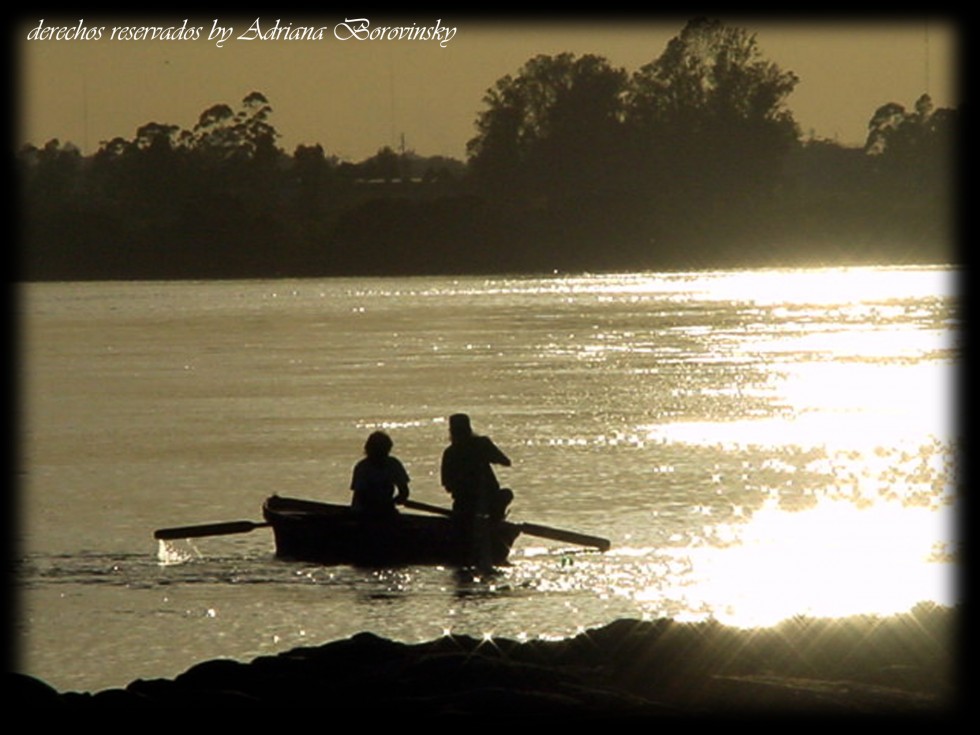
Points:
(707, 73)
(693, 161)
(547, 132)
(914, 143)
(690, 148)
(709, 127)
(911, 153)
(385, 165)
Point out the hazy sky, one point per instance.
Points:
(355, 96)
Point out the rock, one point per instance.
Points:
(29, 691)
(635, 669)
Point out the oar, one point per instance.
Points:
(208, 529)
(531, 529)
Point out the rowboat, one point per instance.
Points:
(332, 534)
(326, 533)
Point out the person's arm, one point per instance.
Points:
(355, 482)
(401, 482)
(444, 472)
(402, 493)
(494, 455)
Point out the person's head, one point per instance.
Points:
(459, 426)
(378, 445)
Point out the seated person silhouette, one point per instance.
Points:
(377, 477)
(467, 475)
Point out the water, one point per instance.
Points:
(756, 444)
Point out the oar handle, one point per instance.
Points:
(416, 505)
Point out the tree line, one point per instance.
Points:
(694, 160)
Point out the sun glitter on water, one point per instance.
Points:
(857, 373)
(832, 560)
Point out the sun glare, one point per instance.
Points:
(838, 286)
(830, 561)
(860, 390)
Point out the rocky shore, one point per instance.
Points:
(903, 665)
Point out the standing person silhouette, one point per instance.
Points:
(467, 475)
(377, 477)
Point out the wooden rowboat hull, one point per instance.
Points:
(331, 534)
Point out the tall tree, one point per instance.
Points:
(911, 156)
(712, 72)
(709, 122)
(548, 130)
(246, 134)
(912, 144)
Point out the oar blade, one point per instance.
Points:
(571, 537)
(207, 529)
(531, 529)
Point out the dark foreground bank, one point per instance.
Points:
(902, 665)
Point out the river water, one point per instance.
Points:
(757, 444)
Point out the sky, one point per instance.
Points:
(355, 96)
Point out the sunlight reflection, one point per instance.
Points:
(857, 431)
(836, 404)
(777, 286)
(830, 285)
(830, 561)
(883, 389)
(883, 342)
